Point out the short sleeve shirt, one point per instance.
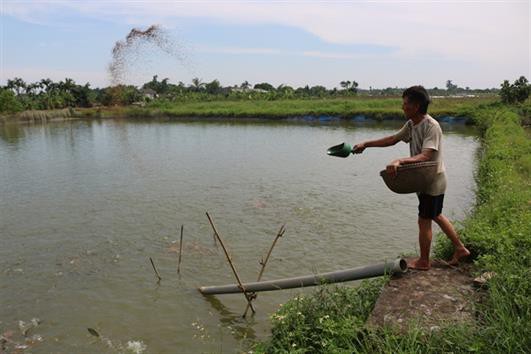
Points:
(426, 135)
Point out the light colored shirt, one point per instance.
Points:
(426, 135)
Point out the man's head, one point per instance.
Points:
(415, 101)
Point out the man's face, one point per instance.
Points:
(410, 108)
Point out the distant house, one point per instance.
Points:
(149, 94)
(246, 90)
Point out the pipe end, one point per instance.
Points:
(403, 265)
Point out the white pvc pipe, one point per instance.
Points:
(396, 266)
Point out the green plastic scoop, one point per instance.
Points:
(341, 150)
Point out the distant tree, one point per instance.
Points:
(64, 91)
(354, 87)
(245, 85)
(46, 84)
(303, 91)
(197, 85)
(130, 94)
(517, 92)
(9, 102)
(102, 96)
(264, 86)
(318, 91)
(120, 95)
(160, 87)
(84, 96)
(176, 91)
(350, 86)
(285, 91)
(451, 87)
(213, 87)
(17, 85)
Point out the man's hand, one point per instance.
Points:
(358, 148)
(392, 168)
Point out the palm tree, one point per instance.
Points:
(345, 84)
(197, 85)
(17, 84)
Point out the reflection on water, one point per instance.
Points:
(11, 133)
(241, 328)
(85, 204)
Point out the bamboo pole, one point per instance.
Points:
(180, 251)
(215, 241)
(264, 262)
(155, 269)
(216, 234)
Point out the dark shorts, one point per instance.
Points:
(430, 206)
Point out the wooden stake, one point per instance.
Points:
(240, 285)
(180, 250)
(264, 262)
(155, 269)
(215, 241)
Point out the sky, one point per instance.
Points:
(378, 44)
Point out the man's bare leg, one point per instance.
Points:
(460, 251)
(425, 235)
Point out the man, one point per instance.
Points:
(424, 135)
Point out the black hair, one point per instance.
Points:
(418, 94)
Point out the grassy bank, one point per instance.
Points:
(332, 320)
(376, 108)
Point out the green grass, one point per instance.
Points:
(378, 108)
(499, 236)
(328, 321)
(373, 107)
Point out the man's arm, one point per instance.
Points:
(425, 155)
(383, 142)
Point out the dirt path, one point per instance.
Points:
(443, 295)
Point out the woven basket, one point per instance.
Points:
(411, 178)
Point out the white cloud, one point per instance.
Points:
(237, 50)
(273, 51)
(485, 34)
(469, 30)
(333, 55)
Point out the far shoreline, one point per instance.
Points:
(312, 110)
(71, 114)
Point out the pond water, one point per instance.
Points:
(84, 204)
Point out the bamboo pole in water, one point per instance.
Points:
(180, 251)
(264, 262)
(240, 285)
(155, 269)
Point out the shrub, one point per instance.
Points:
(9, 102)
(330, 320)
(517, 92)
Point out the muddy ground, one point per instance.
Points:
(441, 296)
